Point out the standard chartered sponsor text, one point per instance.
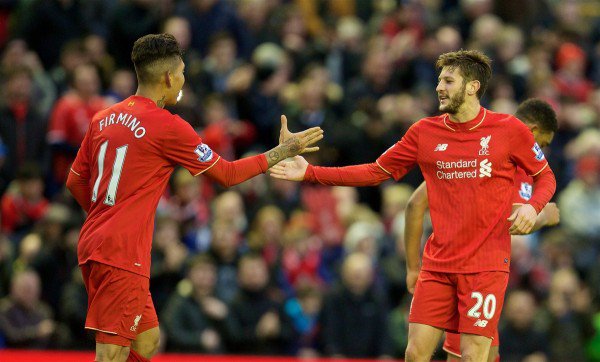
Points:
(447, 170)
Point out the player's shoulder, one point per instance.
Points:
(506, 122)
(431, 121)
(504, 119)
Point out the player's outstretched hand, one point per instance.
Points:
(523, 220)
(290, 170)
(306, 138)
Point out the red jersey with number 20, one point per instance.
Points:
(469, 169)
(128, 155)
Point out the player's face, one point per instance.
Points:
(177, 81)
(543, 138)
(451, 90)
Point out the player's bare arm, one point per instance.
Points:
(413, 231)
(549, 216)
(292, 144)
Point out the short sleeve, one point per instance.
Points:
(184, 147)
(81, 165)
(526, 153)
(402, 156)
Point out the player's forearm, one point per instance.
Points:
(287, 149)
(80, 189)
(413, 231)
(358, 175)
(544, 185)
(228, 174)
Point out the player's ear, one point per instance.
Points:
(472, 87)
(168, 80)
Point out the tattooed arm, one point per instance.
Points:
(291, 144)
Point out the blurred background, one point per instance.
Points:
(274, 267)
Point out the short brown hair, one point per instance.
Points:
(473, 65)
(539, 112)
(152, 50)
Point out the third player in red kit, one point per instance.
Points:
(468, 156)
(119, 174)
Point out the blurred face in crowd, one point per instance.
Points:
(520, 309)
(180, 29)
(451, 90)
(253, 274)
(86, 81)
(123, 83)
(357, 273)
(203, 277)
(26, 289)
(18, 87)
(224, 239)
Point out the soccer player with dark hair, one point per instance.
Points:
(540, 118)
(119, 174)
(468, 156)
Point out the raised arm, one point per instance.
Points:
(413, 231)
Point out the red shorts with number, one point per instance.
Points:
(452, 343)
(463, 303)
(119, 303)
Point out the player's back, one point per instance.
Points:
(128, 170)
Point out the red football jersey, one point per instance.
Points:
(469, 168)
(128, 155)
(523, 189)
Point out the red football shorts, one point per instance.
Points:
(119, 303)
(452, 343)
(463, 303)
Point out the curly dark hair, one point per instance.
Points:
(154, 50)
(539, 112)
(473, 65)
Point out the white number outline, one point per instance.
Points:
(113, 184)
(489, 305)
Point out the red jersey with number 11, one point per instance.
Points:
(128, 155)
(470, 170)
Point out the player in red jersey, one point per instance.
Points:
(118, 176)
(468, 156)
(541, 120)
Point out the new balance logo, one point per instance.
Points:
(481, 323)
(485, 168)
(441, 147)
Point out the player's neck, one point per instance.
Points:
(152, 93)
(467, 112)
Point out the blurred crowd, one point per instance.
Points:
(274, 267)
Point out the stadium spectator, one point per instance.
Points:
(257, 323)
(354, 316)
(25, 321)
(194, 317)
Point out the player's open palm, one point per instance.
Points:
(299, 142)
(523, 220)
(290, 170)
